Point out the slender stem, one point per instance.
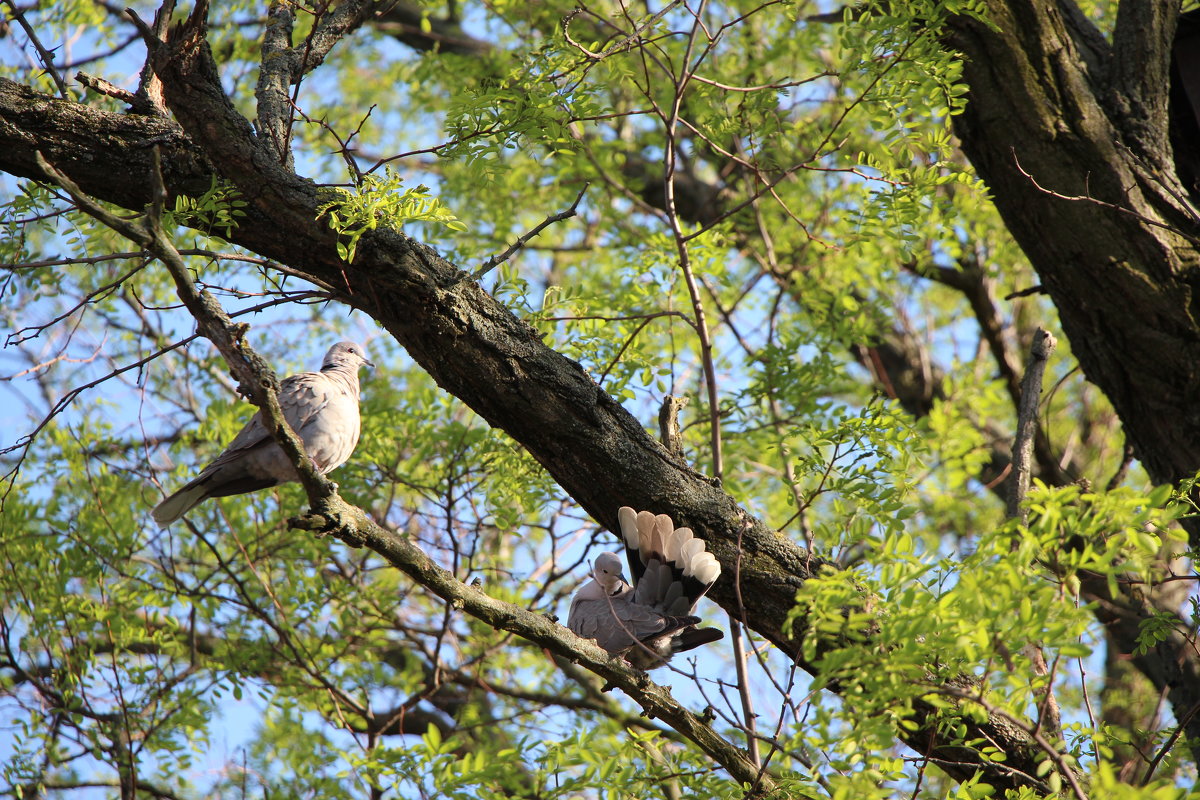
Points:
(685, 262)
(45, 55)
(497, 260)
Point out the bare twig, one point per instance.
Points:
(45, 55)
(1084, 198)
(343, 143)
(671, 122)
(497, 260)
(1170, 742)
(739, 655)
(1026, 292)
(629, 40)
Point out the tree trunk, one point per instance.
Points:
(1070, 135)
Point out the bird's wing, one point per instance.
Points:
(301, 398)
(305, 395)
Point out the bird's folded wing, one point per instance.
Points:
(301, 398)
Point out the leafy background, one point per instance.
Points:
(821, 206)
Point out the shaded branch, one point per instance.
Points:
(411, 25)
(1027, 414)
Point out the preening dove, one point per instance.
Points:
(652, 620)
(321, 407)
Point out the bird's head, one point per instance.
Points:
(607, 572)
(346, 355)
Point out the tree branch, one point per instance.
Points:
(470, 344)
(256, 379)
(356, 529)
(1027, 413)
(277, 64)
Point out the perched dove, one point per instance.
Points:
(652, 620)
(321, 407)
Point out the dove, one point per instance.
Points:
(652, 620)
(321, 407)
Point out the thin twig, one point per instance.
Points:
(1167, 745)
(497, 260)
(45, 55)
(739, 656)
(628, 41)
(1103, 204)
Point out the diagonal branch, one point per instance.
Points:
(46, 56)
(473, 346)
(256, 379)
(499, 259)
(331, 514)
(351, 525)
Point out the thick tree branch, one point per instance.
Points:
(1038, 98)
(277, 64)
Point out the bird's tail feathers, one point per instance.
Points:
(180, 502)
(695, 637)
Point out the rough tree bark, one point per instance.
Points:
(1070, 135)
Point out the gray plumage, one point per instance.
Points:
(653, 619)
(321, 407)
